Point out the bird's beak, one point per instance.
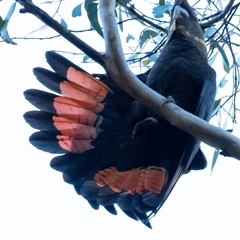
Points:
(177, 13)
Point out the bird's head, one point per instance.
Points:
(184, 21)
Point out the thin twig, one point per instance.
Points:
(132, 10)
(219, 16)
(29, 7)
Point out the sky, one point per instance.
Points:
(37, 204)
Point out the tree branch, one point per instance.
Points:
(121, 74)
(115, 64)
(219, 16)
(29, 7)
(142, 17)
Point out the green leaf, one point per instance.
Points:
(215, 157)
(154, 57)
(88, 2)
(160, 10)
(224, 58)
(4, 25)
(10, 12)
(48, 2)
(77, 11)
(161, 2)
(151, 59)
(63, 23)
(85, 58)
(211, 61)
(129, 37)
(209, 2)
(216, 107)
(223, 82)
(145, 36)
(92, 13)
(216, 103)
(132, 58)
(146, 62)
(1, 22)
(226, 66)
(209, 32)
(120, 18)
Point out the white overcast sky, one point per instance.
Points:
(37, 204)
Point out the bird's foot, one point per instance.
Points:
(144, 126)
(169, 99)
(225, 154)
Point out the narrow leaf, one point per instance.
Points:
(120, 18)
(92, 13)
(209, 32)
(214, 160)
(63, 23)
(224, 58)
(223, 82)
(160, 10)
(145, 36)
(161, 2)
(216, 103)
(1, 22)
(77, 11)
(129, 37)
(154, 57)
(48, 2)
(87, 3)
(211, 61)
(10, 12)
(85, 58)
(146, 62)
(4, 25)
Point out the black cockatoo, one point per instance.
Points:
(114, 150)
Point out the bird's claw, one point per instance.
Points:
(169, 99)
(144, 126)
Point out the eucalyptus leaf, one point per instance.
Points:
(120, 18)
(1, 22)
(211, 61)
(224, 58)
(214, 159)
(146, 62)
(216, 103)
(154, 57)
(92, 13)
(223, 82)
(145, 36)
(77, 11)
(4, 24)
(85, 58)
(63, 23)
(209, 32)
(46, 2)
(161, 9)
(129, 37)
(161, 2)
(88, 2)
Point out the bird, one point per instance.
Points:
(111, 148)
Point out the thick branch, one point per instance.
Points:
(29, 7)
(119, 71)
(218, 17)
